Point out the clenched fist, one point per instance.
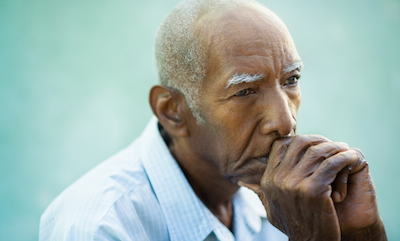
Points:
(316, 189)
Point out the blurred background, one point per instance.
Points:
(75, 76)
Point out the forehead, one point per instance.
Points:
(247, 41)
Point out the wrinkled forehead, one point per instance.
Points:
(250, 30)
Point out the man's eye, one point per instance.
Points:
(292, 81)
(244, 92)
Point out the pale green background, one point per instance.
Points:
(75, 75)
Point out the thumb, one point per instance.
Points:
(254, 187)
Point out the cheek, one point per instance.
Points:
(227, 132)
(231, 126)
(221, 143)
(207, 143)
(294, 101)
(299, 96)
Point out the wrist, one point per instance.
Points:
(375, 232)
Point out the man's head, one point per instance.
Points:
(181, 54)
(233, 69)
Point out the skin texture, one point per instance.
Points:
(312, 188)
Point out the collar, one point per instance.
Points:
(249, 213)
(186, 216)
(180, 205)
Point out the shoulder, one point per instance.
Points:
(112, 196)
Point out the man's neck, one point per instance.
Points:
(213, 190)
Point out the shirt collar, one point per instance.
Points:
(183, 211)
(249, 212)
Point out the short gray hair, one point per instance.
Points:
(181, 57)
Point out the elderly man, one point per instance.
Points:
(226, 117)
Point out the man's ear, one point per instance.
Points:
(166, 104)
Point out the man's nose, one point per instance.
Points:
(277, 115)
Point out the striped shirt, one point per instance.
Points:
(142, 194)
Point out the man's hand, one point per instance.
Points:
(315, 189)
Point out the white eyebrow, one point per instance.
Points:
(298, 65)
(241, 78)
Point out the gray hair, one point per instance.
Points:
(181, 57)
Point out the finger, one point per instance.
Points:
(360, 163)
(316, 155)
(336, 170)
(339, 185)
(360, 184)
(277, 153)
(298, 147)
(329, 169)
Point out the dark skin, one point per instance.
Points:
(312, 188)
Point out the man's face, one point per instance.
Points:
(250, 96)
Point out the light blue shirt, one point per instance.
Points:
(142, 194)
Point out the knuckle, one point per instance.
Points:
(316, 153)
(280, 178)
(353, 155)
(342, 145)
(309, 140)
(291, 184)
(309, 190)
(349, 155)
(332, 164)
(325, 150)
(265, 179)
(301, 140)
(317, 138)
(359, 153)
(276, 180)
(313, 151)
